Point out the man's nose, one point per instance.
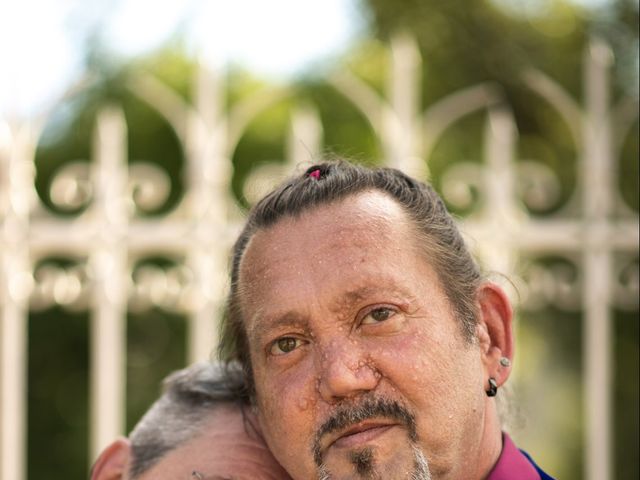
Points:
(345, 371)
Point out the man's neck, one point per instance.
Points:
(490, 446)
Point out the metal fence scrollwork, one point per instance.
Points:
(106, 245)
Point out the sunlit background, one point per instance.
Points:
(276, 39)
(153, 125)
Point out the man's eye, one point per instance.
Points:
(378, 315)
(284, 345)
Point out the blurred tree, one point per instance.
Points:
(464, 43)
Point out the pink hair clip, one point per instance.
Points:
(315, 174)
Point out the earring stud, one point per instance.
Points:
(505, 362)
(493, 387)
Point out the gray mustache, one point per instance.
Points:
(349, 414)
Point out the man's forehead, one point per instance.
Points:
(367, 217)
(363, 240)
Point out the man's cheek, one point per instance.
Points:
(284, 423)
(279, 406)
(410, 354)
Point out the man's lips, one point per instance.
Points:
(360, 433)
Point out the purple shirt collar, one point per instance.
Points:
(512, 464)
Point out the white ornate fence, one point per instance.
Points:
(202, 228)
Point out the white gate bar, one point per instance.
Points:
(597, 198)
(597, 363)
(304, 142)
(209, 180)
(14, 369)
(501, 214)
(108, 263)
(175, 236)
(561, 236)
(404, 87)
(17, 194)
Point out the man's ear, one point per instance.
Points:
(495, 331)
(113, 462)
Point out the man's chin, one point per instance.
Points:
(388, 456)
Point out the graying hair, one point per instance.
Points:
(177, 416)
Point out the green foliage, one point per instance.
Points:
(549, 391)
(626, 357)
(263, 142)
(629, 173)
(468, 42)
(156, 343)
(347, 133)
(464, 43)
(58, 388)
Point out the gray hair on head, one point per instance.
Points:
(177, 416)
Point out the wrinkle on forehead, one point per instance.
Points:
(343, 222)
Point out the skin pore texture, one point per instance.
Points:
(360, 365)
(227, 448)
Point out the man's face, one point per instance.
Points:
(360, 366)
(227, 449)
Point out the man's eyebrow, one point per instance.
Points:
(261, 326)
(357, 295)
